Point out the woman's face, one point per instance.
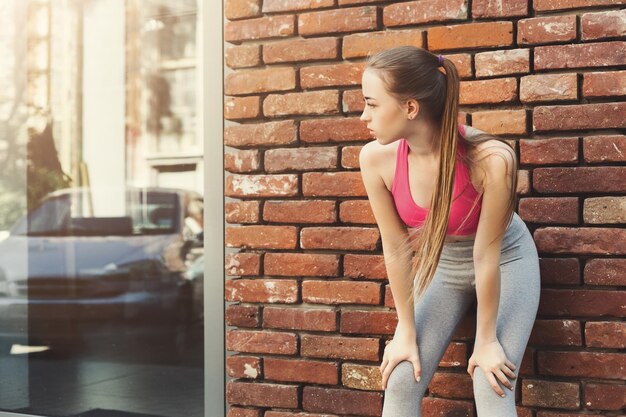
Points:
(384, 116)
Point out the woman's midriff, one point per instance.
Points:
(451, 238)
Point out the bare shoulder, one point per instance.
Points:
(497, 160)
(374, 155)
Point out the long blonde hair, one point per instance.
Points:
(409, 72)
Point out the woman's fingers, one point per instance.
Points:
(503, 378)
(510, 364)
(509, 372)
(417, 369)
(383, 364)
(494, 384)
(387, 371)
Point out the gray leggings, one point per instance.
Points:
(446, 301)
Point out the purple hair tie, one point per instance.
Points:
(440, 60)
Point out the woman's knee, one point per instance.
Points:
(402, 381)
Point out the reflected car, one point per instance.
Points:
(87, 263)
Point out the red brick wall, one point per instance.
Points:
(309, 304)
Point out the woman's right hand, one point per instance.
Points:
(403, 347)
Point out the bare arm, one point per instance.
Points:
(489, 237)
(393, 233)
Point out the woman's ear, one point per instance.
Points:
(413, 108)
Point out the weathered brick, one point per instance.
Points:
(498, 63)
(314, 319)
(259, 28)
(297, 264)
(472, 35)
(340, 292)
(556, 333)
(305, 103)
(360, 45)
(253, 341)
(342, 401)
(604, 210)
(550, 29)
(283, 132)
(605, 334)
(368, 322)
(340, 347)
(582, 364)
(242, 161)
(243, 56)
(551, 394)
(433, 406)
(523, 182)
(305, 211)
(548, 87)
(604, 84)
(580, 116)
(495, 91)
(364, 266)
(363, 377)
(285, 185)
(297, 370)
(241, 211)
(549, 210)
(605, 272)
(241, 366)
(549, 5)
(243, 263)
(600, 25)
(560, 271)
(262, 395)
(549, 151)
(273, 6)
(579, 179)
(334, 130)
(415, 12)
(261, 290)
(300, 50)
(587, 303)
(331, 75)
(242, 315)
(339, 238)
(301, 159)
(239, 9)
(582, 55)
(605, 148)
(333, 184)
(335, 21)
(592, 240)
(504, 8)
(451, 385)
(238, 108)
(244, 412)
(605, 396)
(356, 211)
(350, 156)
(260, 81)
(500, 122)
(261, 236)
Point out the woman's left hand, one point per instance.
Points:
(490, 357)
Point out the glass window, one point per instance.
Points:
(101, 207)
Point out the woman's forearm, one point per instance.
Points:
(398, 272)
(488, 297)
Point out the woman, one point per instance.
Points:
(443, 196)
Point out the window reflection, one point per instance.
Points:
(101, 208)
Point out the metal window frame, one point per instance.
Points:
(211, 124)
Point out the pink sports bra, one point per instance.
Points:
(462, 196)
